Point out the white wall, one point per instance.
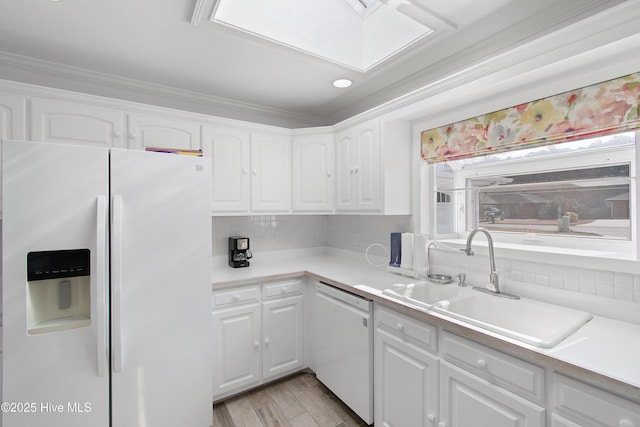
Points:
(609, 287)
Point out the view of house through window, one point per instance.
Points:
(579, 188)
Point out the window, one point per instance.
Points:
(580, 189)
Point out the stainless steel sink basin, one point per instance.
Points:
(529, 321)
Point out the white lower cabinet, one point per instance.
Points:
(237, 336)
(405, 373)
(257, 334)
(470, 401)
(282, 336)
(579, 404)
(423, 375)
(482, 387)
(427, 377)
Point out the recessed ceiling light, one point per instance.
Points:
(342, 83)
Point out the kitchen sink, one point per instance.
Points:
(422, 294)
(533, 322)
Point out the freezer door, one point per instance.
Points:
(161, 290)
(55, 364)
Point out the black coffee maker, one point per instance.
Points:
(239, 253)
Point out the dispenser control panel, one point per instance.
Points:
(45, 265)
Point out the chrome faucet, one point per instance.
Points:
(493, 274)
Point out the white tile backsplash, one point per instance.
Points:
(270, 232)
(356, 232)
(279, 232)
(623, 286)
(588, 281)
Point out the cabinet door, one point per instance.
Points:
(469, 401)
(12, 109)
(270, 173)
(160, 132)
(282, 336)
(345, 171)
(367, 170)
(230, 163)
(313, 161)
(236, 355)
(69, 123)
(406, 383)
(558, 421)
(588, 406)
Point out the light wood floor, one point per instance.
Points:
(297, 401)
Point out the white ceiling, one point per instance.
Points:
(341, 31)
(172, 53)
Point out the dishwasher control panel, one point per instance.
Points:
(344, 296)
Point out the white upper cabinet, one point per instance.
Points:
(358, 168)
(71, 123)
(344, 170)
(161, 132)
(373, 168)
(230, 163)
(12, 109)
(270, 172)
(367, 167)
(313, 177)
(256, 169)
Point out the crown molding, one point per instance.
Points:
(519, 56)
(45, 73)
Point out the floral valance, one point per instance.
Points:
(607, 107)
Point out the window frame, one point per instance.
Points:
(607, 156)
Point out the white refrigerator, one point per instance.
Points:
(106, 286)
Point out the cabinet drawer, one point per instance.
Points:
(591, 407)
(513, 374)
(235, 295)
(409, 330)
(282, 288)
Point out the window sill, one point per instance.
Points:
(572, 257)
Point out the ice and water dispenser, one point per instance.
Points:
(58, 290)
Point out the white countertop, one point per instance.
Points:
(604, 352)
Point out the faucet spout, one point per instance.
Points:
(493, 274)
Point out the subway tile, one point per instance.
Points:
(541, 274)
(623, 286)
(528, 272)
(587, 281)
(604, 284)
(571, 279)
(556, 276)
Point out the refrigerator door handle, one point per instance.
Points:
(116, 284)
(101, 278)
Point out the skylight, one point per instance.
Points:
(332, 29)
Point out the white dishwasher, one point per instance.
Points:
(344, 347)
